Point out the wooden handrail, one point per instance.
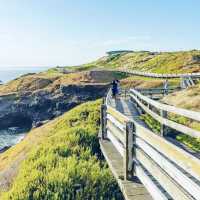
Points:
(157, 75)
(172, 109)
(179, 127)
(172, 168)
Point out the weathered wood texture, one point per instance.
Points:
(178, 176)
(131, 189)
(139, 98)
(166, 170)
(156, 75)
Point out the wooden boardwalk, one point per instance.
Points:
(148, 165)
(131, 189)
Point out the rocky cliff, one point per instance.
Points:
(31, 100)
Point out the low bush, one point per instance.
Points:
(68, 165)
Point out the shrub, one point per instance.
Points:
(66, 165)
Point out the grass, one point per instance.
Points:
(188, 99)
(52, 79)
(159, 62)
(155, 126)
(146, 82)
(192, 143)
(66, 157)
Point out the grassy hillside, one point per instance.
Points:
(145, 82)
(52, 79)
(188, 99)
(158, 62)
(63, 160)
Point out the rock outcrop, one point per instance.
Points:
(31, 109)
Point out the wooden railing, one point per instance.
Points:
(157, 75)
(166, 170)
(149, 106)
(157, 93)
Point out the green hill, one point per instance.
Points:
(63, 160)
(158, 62)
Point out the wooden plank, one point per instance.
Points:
(116, 143)
(179, 111)
(128, 154)
(132, 190)
(116, 132)
(154, 91)
(179, 127)
(162, 177)
(179, 176)
(185, 160)
(103, 121)
(119, 125)
(108, 97)
(148, 183)
(130, 131)
(117, 115)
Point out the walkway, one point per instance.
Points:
(132, 189)
(148, 165)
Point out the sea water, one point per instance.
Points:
(7, 137)
(10, 73)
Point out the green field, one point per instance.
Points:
(158, 62)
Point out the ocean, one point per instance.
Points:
(10, 73)
(7, 138)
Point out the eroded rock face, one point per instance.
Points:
(29, 109)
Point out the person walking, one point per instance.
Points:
(118, 87)
(114, 89)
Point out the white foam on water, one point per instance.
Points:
(8, 139)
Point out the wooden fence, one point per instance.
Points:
(157, 93)
(166, 170)
(157, 75)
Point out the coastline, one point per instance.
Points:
(9, 73)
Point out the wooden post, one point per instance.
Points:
(103, 121)
(128, 157)
(163, 132)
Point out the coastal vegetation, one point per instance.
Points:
(67, 164)
(158, 62)
(62, 159)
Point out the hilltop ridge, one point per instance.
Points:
(158, 62)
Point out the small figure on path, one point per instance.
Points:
(118, 87)
(114, 89)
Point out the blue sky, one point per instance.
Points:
(71, 32)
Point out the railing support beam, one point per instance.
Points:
(163, 128)
(103, 121)
(129, 151)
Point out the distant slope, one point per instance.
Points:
(188, 99)
(52, 79)
(61, 157)
(158, 62)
